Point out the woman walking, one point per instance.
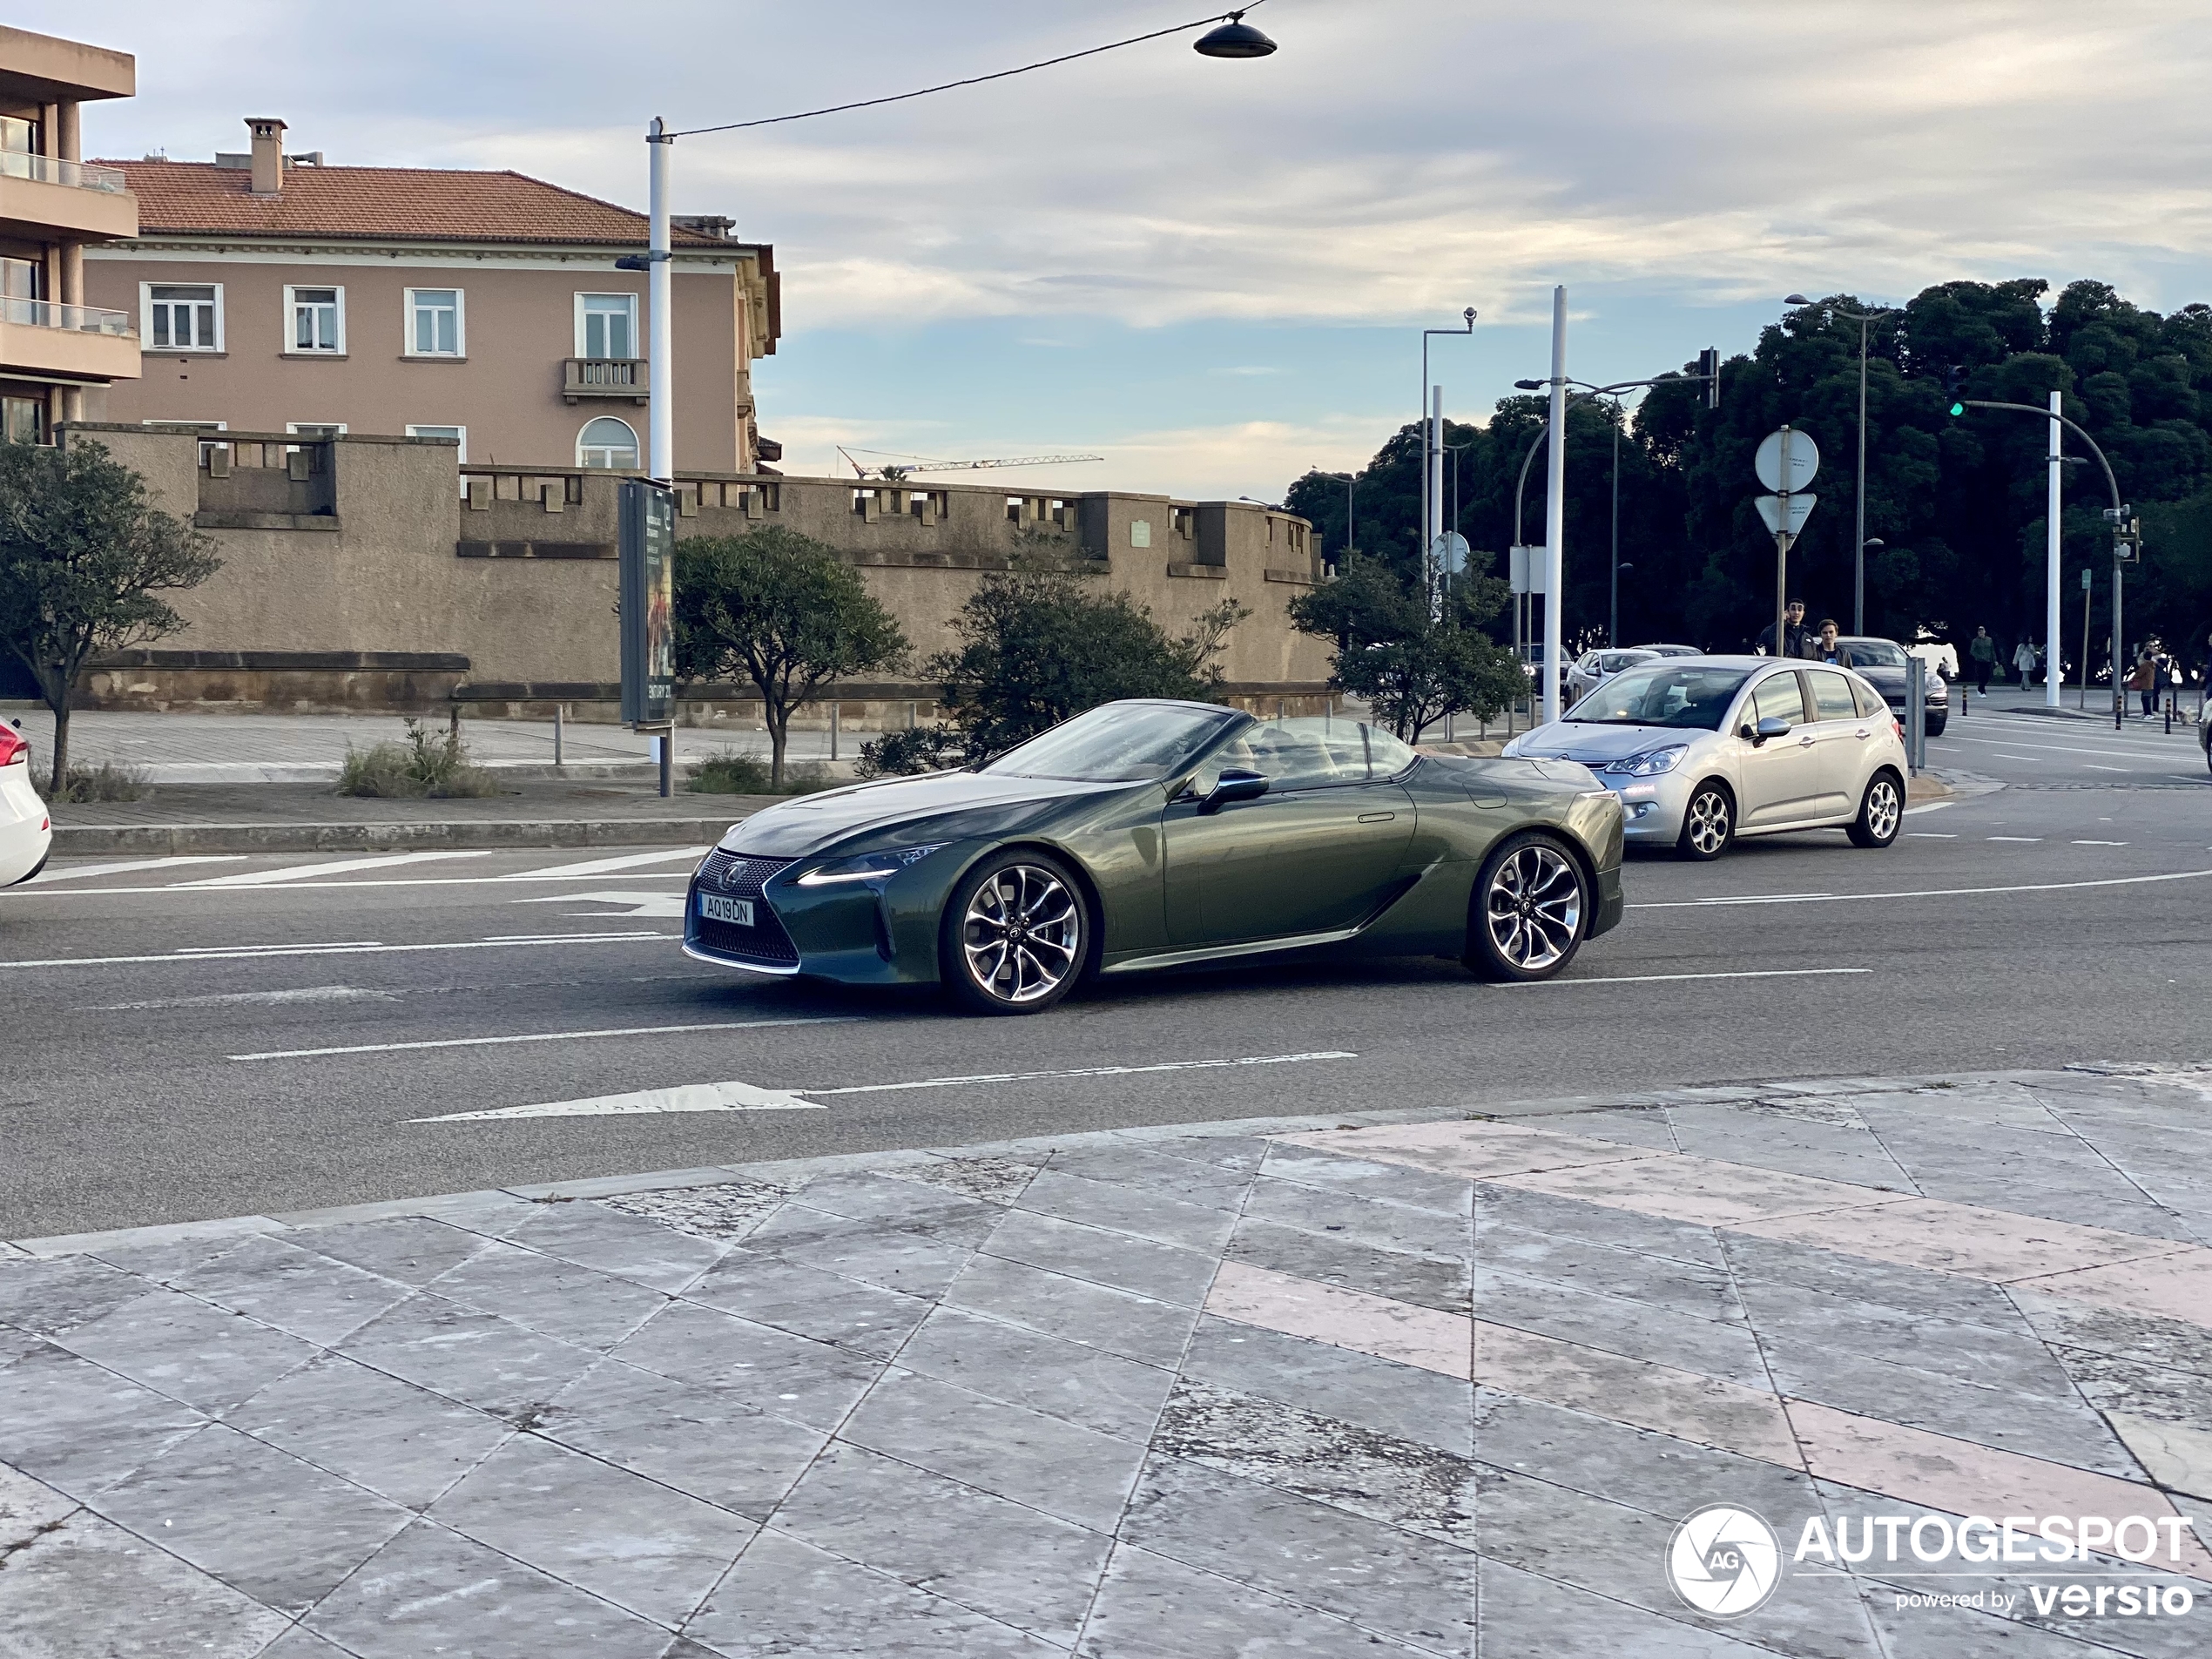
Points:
(2144, 680)
(2024, 660)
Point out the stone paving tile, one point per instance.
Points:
(1121, 1209)
(1153, 1608)
(577, 1305)
(2112, 1203)
(1403, 1401)
(1333, 1258)
(993, 1180)
(1788, 1142)
(1568, 1217)
(1046, 1463)
(1647, 1127)
(2063, 1321)
(1533, 1617)
(1617, 1325)
(722, 1211)
(1784, 1266)
(411, 1250)
(1701, 1293)
(914, 1264)
(699, 1437)
(79, 1427)
(634, 1541)
(1240, 1153)
(1363, 1220)
(299, 1292)
(256, 1518)
(809, 1301)
(1099, 1391)
(1363, 1178)
(786, 1597)
(187, 1350)
(627, 1247)
(2173, 1286)
(771, 1371)
(430, 1591)
(1163, 1272)
(1398, 1582)
(883, 1197)
(47, 1297)
(89, 1587)
(1966, 1351)
(28, 1507)
(473, 1357)
(391, 1437)
(1133, 1326)
(1158, 1173)
(1000, 1559)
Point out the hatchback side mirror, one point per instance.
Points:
(1234, 785)
(1772, 727)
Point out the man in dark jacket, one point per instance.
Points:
(1982, 652)
(1796, 636)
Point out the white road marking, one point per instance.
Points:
(2091, 766)
(262, 952)
(1929, 806)
(1655, 979)
(601, 867)
(685, 1097)
(2101, 843)
(394, 882)
(1932, 835)
(1087, 1071)
(665, 906)
(304, 994)
(548, 1036)
(279, 950)
(1932, 892)
(134, 864)
(308, 871)
(2023, 841)
(2055, 748)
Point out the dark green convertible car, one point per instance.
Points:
(1149, 835)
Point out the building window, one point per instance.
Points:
(607, 442)
(23, 420)
(434, 322)
(187, 317)
(458, 434)
(606, 326)
(317, 321)
(22, 285)
(19, 137)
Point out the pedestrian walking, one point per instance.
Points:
(1795, 635)
(2024, 660)
(2144, 680)
(1983, 652)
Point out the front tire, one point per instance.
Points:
(1881, 811)
(1935, 727)
(1707, 822)
(1016, 934)
(1531, 910)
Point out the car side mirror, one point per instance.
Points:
(1772, 727)
(1234, 785)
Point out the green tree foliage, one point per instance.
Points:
(1412, 670)
(1957, 503)
(1038, 645)
(85, 557)
(782, 610)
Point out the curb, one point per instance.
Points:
(74, 841)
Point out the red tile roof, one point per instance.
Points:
(199, 198)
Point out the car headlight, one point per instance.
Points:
(1651, 762)
(874, 868)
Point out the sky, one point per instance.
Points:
(1216, 273)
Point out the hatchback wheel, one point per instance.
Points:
(1531, 908)
(1015, 936)
(1881, 813)
(1708, 823)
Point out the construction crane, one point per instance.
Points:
(893, 471)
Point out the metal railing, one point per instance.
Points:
(52, 169)
(50, 313)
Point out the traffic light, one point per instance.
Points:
(1954, 388)
(1709, 365)
(2127, 534)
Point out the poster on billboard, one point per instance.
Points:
(648, 603)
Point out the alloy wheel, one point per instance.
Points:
(1533, 907)
(1706, 826)
(1021, 935)
(1882, 810)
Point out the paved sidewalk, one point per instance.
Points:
(1382, 1386)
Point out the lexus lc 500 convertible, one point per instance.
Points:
(1148, 835)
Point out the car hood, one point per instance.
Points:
(1597, 745)
(1890, 682)
(948, 805)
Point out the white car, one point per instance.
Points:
(1593, 668)
(1704, 749)
(26, 832)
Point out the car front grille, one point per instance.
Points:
(742, 877)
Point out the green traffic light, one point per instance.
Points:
(1958, 409)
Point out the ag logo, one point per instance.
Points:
(1724, 1561)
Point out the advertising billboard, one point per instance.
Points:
(648, 603)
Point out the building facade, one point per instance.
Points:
(55, 347)
(275, 293)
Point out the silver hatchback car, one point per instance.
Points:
(1704, 749)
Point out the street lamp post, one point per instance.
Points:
(1348, 480)
(1432, 437)
(1230, 36)
(1863, 318)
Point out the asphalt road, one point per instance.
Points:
(193, 1040)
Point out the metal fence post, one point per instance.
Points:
(1916, 712)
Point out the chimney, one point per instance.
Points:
(268, 154)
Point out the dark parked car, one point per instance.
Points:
(1882, 663)
(1151, 834)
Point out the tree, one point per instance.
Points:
(83, 557)
(1412, 670)
(782, 610)
(1035, 646)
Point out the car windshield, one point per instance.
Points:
(1612, 662)
(1875, 653)
(1119, 742)
(1660, 696)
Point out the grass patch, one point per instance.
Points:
(423, 763)
(732, 771)
(107, 781)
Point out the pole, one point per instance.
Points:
(2085, 646)
(560, 710)
(2054, 495)
(1782, 555)
(1858, 558)
(1556, 508)
(2119, 692)
(1613, 610)
(1432, 505)
(660, 409)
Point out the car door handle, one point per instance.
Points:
(1805, 742)
(1863, 734)
(1377, 818)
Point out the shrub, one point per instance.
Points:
(732, 771)
(423, 763)
(921, 748)
(107, 781)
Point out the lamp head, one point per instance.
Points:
(1528, 386)
(1232, 37)
(1874, 540)
(1794, 299)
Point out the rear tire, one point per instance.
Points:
(1531, 910)
(1935, 727)
(1707, 822)
(1016, 934)
(1881, 811)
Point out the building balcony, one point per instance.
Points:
(44, 199)
(615, 377)
(69, 342)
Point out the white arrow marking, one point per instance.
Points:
(601, 867)
(308, 871)
(685, 1097)
(649, 905)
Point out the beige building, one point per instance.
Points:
(54, 346)
(275, 293)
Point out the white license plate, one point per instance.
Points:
(714, 908)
